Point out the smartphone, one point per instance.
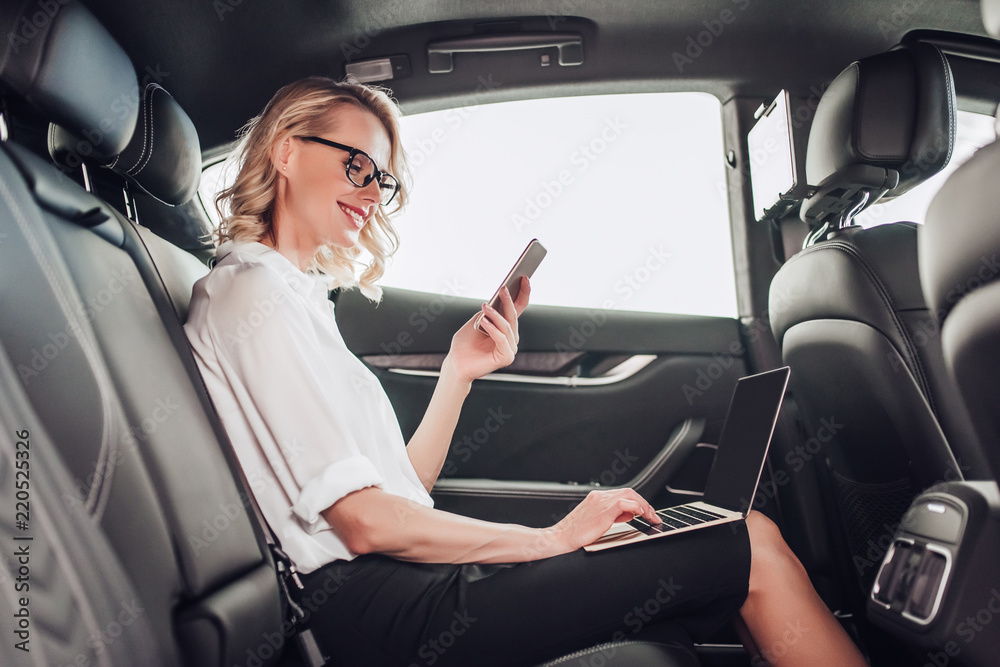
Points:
(524, 266)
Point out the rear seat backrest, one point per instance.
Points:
(62, 614)
(89, 326)
(848, 313)
(46, 331)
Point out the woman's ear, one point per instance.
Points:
(281, 154)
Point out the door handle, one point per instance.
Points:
(439, 53)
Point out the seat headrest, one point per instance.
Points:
(61, 60)
(884, 125)
(952, 265)
(991, 17)
(164, 156)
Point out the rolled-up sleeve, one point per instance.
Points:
(333, 483)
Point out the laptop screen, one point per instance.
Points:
(745, 438)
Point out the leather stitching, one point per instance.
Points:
(950, 81)
(147, 94)
(151, 128)
(606, 647)
(883, 293)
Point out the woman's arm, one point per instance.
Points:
(373, 521)
(471, 356)
(429, 444)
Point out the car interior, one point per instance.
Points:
(131, 536)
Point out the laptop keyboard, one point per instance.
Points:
(674, 518)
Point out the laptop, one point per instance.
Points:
(735, 474)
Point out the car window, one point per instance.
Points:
(626, 192)
(973, 131)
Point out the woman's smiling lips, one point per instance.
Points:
(355, 214)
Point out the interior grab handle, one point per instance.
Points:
(439, 53)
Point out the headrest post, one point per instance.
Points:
(847, 219)
(816, 234)
(130, 209)
(86, 177)
(4, 132)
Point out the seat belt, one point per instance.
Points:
(288, 578)
(283, 565)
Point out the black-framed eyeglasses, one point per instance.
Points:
(361, 170)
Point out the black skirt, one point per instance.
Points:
(375, 610)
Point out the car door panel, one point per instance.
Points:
(595, 399)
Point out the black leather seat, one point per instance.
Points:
(74, 598)
(960, 273)
(92, 323)
(83, 326)
(848, 312)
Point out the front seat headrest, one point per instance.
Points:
(952, 265)
(991, 17)
(164, 156)
(884, 125)
(61, 60)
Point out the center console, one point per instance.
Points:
(939, 584)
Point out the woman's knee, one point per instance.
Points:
(771, 560)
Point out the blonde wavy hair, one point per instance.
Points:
(308, 108)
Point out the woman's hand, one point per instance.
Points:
(598, 512)
(473, 354)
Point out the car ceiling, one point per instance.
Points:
(223, 59)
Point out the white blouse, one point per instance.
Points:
(309, 422)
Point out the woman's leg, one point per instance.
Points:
(390, 613)
(789, 623)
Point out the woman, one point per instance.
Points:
(349, 500)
